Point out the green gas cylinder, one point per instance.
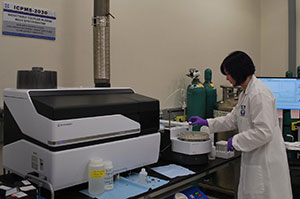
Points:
(211, 94)
(196, 100)
(289, 74)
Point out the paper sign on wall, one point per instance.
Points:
(295, 114)
(26, 21)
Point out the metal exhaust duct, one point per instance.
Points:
(101, 28)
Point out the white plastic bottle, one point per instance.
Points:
(96, 176)
(212, 154)
(143, 176)
(108, 178)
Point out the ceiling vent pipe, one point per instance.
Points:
(101, 28)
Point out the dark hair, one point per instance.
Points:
(239, 65)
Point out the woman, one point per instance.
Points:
(264, 167)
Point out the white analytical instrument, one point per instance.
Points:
(187, 147)
(54, 133)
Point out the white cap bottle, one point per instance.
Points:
(96, 176)
(143, 176)
(108, 179)
(212, 154)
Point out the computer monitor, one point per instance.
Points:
(286, 91)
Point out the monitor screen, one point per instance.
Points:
(285, 90)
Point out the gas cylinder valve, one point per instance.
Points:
(193, 73)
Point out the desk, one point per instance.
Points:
(175, 185)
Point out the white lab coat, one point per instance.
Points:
(264, 167)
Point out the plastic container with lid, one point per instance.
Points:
(212, 154)
(96, 176)
(108, 179)
(143, 176)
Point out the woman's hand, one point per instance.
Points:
(196, 120)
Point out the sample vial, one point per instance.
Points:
(212, 154)
(143, 176)
(96, 176)
(108, 178)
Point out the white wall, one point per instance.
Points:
(69, 51)
(153, 43)
(274, 38)
(156, 42)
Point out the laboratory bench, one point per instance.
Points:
(174, 185)
(180, 183)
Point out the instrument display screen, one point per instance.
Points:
(286, 91)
